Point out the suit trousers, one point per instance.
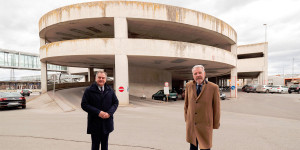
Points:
(193, 147)
(98, 139)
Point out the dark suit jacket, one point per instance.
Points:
(93, 101)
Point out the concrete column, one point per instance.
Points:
(121, 28)
(233, 75)
(114, 72)
(86, 78)
(44, 77)
(91, 75)
(121, 73)
(121, 78)
(260, 78)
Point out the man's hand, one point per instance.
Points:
(106, 116)
(103, 115)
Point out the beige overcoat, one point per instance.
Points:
(202, 113)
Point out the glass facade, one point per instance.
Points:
(24, 61)
(1, 58)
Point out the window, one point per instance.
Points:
(2, 58)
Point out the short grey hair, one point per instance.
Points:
(198, 66)
(101, 72)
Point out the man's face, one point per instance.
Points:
(198, 75)
(101, 79)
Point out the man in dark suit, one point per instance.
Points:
(100, 102)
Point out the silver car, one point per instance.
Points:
(263, 88)
(279, 89)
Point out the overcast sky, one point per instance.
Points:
(19, 25)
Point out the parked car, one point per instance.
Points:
(225, 88)
(25, 92)
(13, 99)
(244, 88)
(263, 88)
(251, 88)
(279, 89)
(222, 95)
(294, 88)
(160, 95)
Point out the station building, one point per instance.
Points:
(143, 45)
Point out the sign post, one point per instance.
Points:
(166, 90)
(54, 79)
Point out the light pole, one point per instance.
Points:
(264, 78)
(266, 26)
(293, 68)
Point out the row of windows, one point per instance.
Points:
(24, 61)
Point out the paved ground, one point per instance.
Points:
(253, 121)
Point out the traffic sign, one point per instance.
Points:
(232, 87)
(166, 84)
(121, 88)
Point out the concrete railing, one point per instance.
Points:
(71, 85)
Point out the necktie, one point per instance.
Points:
(198, 89)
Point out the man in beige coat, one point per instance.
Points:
(201, 110)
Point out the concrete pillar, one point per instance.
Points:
(114, 84)
(122, 78)
(44, 77)
(121, 73)
(91, 75)
(233, 75)
(260, 78)
(121, 28)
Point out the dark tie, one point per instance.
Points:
(198, 89)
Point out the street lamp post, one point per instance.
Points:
(265, 32)
(264, 78)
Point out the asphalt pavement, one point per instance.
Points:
(252, 121)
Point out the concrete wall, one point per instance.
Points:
(137, 10)
(259, 64)
(147, 80)
(251, 48)
(250, 65)
(276, 80)
(136, 47)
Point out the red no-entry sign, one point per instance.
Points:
(121, 88)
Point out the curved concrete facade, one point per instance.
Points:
(145, 44)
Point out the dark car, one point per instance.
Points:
(294, 88)
(8, 99)
(244, 88)
(160, 95)
(25, 92)
(251, 88)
